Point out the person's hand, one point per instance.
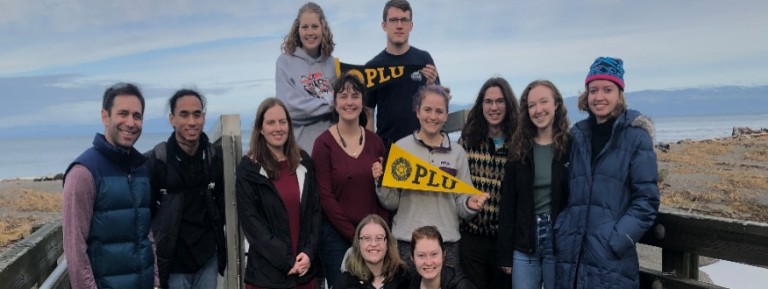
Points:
(301, 266)
(377, 169)
(506, 270)
(476, 202)
(430, 72)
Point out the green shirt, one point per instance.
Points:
(542, 180)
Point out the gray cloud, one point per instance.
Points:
(59, 55)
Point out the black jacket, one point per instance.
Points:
(169, 191)
(517, 219)
(400, 280)
(264, 221)
(449, 279)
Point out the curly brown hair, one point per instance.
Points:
(292, 41)
(526, 131)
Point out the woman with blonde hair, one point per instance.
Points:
(305, 73)
(278, 204)
(373, 261)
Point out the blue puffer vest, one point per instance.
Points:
(118, 244)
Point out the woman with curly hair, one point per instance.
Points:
(305, 73)
(535, 187)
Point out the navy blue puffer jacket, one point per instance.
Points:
(613, 202)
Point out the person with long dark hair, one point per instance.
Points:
(614, 196)
(535, 187)
(344, 155)
(487, 138)
(278, 204)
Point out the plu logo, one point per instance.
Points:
(401, 169)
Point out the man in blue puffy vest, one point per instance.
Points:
(106, 212)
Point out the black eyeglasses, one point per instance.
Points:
(395, 20)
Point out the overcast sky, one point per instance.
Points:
(58, 56)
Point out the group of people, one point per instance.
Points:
(563, 207)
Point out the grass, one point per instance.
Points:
(717, 177)
(13, 228)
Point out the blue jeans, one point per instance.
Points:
(205, 278)
(530, 271)
(332, 249)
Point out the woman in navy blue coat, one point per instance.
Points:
(614, 195)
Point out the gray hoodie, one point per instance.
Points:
(305, 85)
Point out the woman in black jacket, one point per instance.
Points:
(373, 261)
(535, 187)
(428, 253)
(278, 204)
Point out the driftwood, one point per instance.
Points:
(745, 131)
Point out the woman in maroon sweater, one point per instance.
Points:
(344, 155)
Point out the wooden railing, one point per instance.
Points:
(681, 236)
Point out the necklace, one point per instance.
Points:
(344, 143)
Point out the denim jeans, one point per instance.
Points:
(205, 278)
(530, 271)
(332, 249)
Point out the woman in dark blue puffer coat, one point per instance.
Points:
(614, 195)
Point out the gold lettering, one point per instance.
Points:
(394, 71)
(370, 74)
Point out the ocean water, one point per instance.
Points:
(46, 156)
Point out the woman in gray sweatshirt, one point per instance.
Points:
(305, 73)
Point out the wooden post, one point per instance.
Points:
(231, 144)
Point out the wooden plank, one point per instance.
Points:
(680, 264)
(727, 239)
(231, 142)
(657, 280)
(30, 261)
(456, 121)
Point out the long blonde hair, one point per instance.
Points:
(292, 41)
(355, 264)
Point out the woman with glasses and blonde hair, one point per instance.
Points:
(305, 73)
(278, 204)
(373, 261)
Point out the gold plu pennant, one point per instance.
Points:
(406, 171)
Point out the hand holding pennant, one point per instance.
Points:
(406, 171)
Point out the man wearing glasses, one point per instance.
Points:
(391, 100)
